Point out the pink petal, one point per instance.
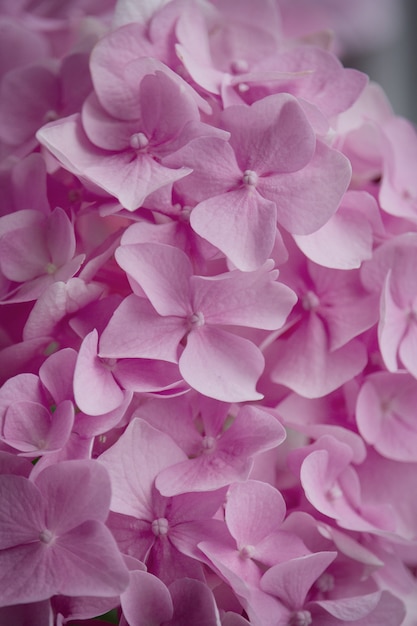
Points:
(57, 372)
(304, 364)
(146, 600)
(86, 562)
(290, 581)
(27, 95)
(194, 50)
(95, 390)
(253, 511)
(137, 331)
(24, 254)
(253, 299)
(221, 365)
(392, 326)
(345, 241)
(230, 458)
(272, 135)
(214, 168)
(75, 491)
(35, 581)
(175, 108)
(204, 473)
(253, 430)
(60, 238)
(163, 272)
(144, 375)
(31, 428)
(105, 131)
(307, 198)
(385, 412)
(132, 482)
(408, 349)
(19, 614)
(128, 176)
(118, 96)
(193, 603)
(22, 514)
(240, 223)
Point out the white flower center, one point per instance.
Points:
(247, 552)
(46, 536)
(208, 443)
(196, 320)
(250, 178)
(310, 301)
(160, 526)
(138, 141)
(300, 618)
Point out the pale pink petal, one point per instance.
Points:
(207, 472)
(60, 237)
(351, 609)
(142, 375)
(138, 68)
(86, 562)
(95, 388)
(24, 254)
(221, 365)
(57, 303)
(194, 50)
(408, 349)
(253, 430)
(105, 131)
(193, 603)
(390, 611)
(137, 331)
(127, 175)
(35, 581)
(146, 600)
(253, 299)
(132, 482)
(31, 428)
(163, 272)
(303, 362)
(226, 458)
(240, 223)
(272, 135)
(392, 326)
(68, 504)
(253, 511)
(22, 512)
(385, 414)
(56, 374)
(214, 166)
(117, 96)
(290, 581)
(307, 198)
(166, 108)
(346, 240)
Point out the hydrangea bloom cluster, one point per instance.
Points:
(208, 341)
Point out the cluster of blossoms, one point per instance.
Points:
(208, 342)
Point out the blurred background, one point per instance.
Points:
(376, 36)
(393, 62)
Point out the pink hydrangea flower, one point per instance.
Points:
(55, 525)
